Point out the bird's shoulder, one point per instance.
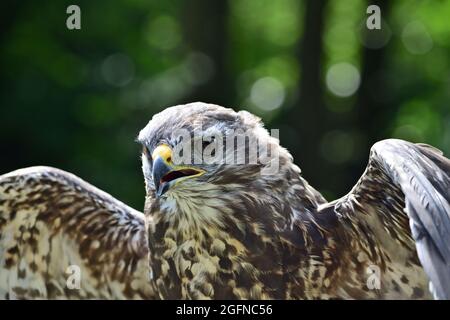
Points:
(399, 209)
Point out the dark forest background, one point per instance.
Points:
(76, 100)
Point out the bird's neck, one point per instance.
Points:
(231, 244)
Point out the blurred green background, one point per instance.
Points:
(77, 99)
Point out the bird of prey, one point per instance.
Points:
(226, 230)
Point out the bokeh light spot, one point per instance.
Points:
(117, 70)
(375, 38)
(164, 33)
(416, 38)
(267, 94)
(343, 79)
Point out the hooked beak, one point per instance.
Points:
(166, 174)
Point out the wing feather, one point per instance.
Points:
(420, 175)
(60, 237)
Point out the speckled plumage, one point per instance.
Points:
(232, 233)
(50, 220)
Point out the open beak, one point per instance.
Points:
(165, 173)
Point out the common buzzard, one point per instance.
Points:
(226, 229)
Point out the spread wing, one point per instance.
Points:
(402, 177)
(63, 238)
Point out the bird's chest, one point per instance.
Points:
(219, 268)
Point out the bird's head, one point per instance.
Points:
(188, 149)
(198, 155)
